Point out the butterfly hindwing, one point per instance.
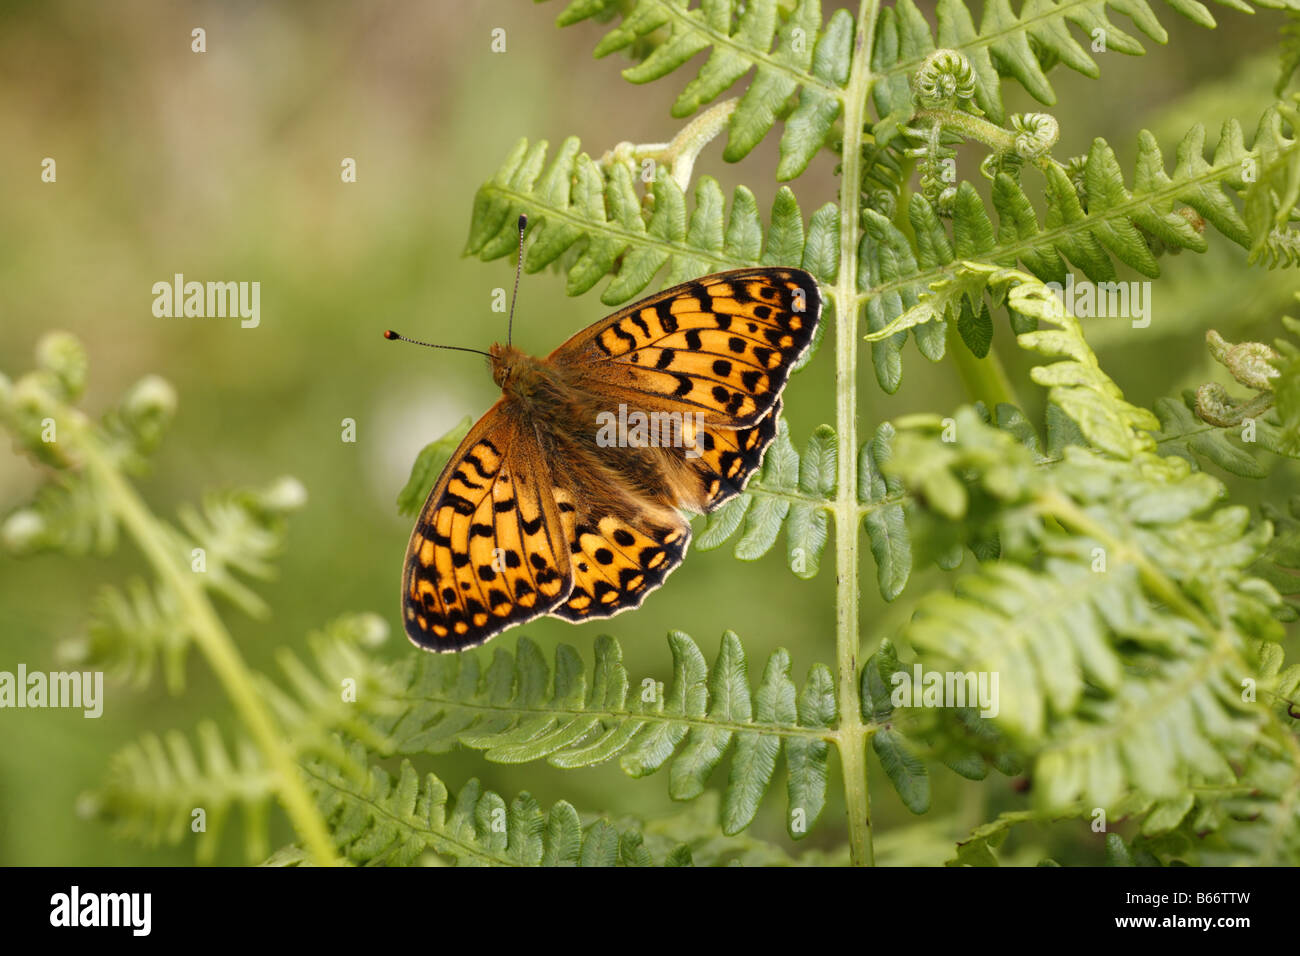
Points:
(488, 550)
(725, 458)
(722, 345)
(617, 560)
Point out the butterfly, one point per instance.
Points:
(566, 498)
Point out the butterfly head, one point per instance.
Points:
(504, 359)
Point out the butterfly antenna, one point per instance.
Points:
(390, 334)
(519, 264)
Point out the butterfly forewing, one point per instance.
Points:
(488, 550)
(722, 345)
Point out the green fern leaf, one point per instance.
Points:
(785, 45)
(1183, 433)
(1069, 633)
(590, 212)
(428, 466)
(1280, 563)
(1076, 382)
(153, 787)
(807, 523)
(521, 709)
(886, 263)
(906, 771)
(1085, 225)
(794, 492)
(1007, 44)
(377, 820)
(903, 767)
(881, 498)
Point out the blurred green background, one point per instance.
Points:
(225, 166)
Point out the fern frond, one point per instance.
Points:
(378, 820)
(86, 501)
(693, 826)
(343, 693)
(131, 631)
(889, 266)
(40, 411)
(1022, 47)
(67, 515)
(1286, 386)
(1257, 815)
(1121, 619)
(593, 212)
(235, 533)
(1280, 563)
(1272, 196)
(1280, 247)
(519, 709)
(896, 752)
(1075, 382)
(1289, 52)
(1221, 826)
(1269, 418)
(977, 849)
(1085, 225)
(158, 791)
(958, 737)
(1183, 433)
(238, 532)
(785, 44)
(155, 789)
(71, 512)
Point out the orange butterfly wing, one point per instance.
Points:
(487, 551)
(722, 344)
(617, 560)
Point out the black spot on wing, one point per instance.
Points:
(617, 588)
(664, 312)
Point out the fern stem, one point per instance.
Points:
(680, 154)
(852, 732)
(219, 648)
(512, 710)
(985, 378)
(973, 127)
